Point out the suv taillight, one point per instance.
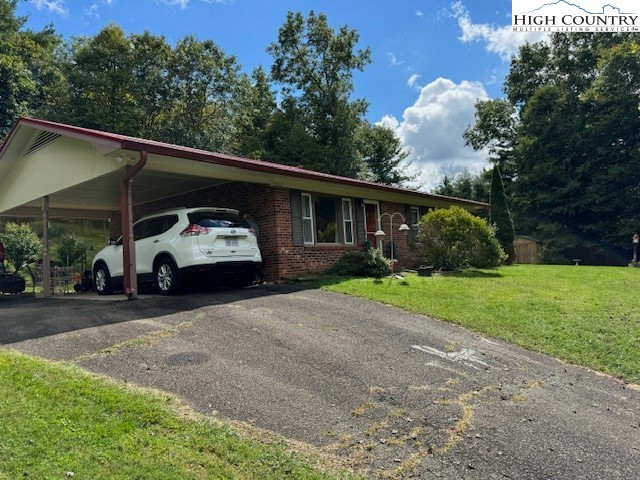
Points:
(194, 230)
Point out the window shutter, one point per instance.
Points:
(296, 219)
(407, 219)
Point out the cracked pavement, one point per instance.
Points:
(396, 395)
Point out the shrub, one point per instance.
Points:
(455, 239)
(70, 250)
(21, 244)
(368, 262)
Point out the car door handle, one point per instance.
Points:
(156, 241)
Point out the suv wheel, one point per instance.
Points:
(167, 277)
(102, 280)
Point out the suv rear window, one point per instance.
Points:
(218, 220)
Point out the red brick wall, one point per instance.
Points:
(407, 256)
(271, 208)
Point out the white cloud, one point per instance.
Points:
(500, 40)
(431, 129)
(91, 11)
(54, 6)
(419, 13)
(176, 3)
(393, 60)
(413, 81)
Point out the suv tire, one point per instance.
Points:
(102, 280)
(166, 276)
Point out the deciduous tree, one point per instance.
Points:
(204, 83)
(103, 94)
(314, 65)
(384, 157)
(21, 244)
(571, 124)
(495, 129)
(31, 77)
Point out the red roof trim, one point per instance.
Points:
(151, 146)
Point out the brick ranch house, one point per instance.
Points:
(307, 219)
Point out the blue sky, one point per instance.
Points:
(432, 59)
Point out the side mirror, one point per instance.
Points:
(113, 241)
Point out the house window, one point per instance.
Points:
(415, 220)
(326, 219)
(347, 220)
(307, 219)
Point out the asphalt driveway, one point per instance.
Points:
(393, 392)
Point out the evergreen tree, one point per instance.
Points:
(500, 216)
(465, 185)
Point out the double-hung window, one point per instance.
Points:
(327, 219)
(307, 219)
(347, 220)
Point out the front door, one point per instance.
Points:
(371, 221)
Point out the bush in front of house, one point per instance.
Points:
(454, 239)
(368, 262)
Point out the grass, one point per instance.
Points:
(59, 422)
(584, 315)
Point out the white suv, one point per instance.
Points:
(176, 244)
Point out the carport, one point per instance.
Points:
(52, 170)
(55, 170)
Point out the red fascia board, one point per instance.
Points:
(275, 168)
(9, 137)
(72, 130)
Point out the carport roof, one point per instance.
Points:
(79, 169)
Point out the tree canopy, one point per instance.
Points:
(30, 68)
(314, 66)
(21, 244)
(466, 185)
(568, 135)
(194, 94)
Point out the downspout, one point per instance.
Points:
(130, 282)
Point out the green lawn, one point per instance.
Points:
(57, 419)
(584, 315)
